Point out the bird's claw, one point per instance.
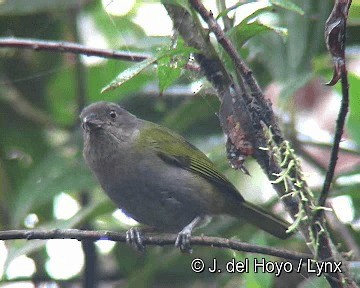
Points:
(183, 242)
(134, 237)
(183, 238)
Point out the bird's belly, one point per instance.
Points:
(166, 201)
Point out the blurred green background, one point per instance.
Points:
(44, 183)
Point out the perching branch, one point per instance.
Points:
(224, 84)
(154, 240)
(38, 279)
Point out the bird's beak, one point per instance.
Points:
(90, 122)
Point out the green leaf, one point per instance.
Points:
(224, 12)
(102, 73)
(243, 32)
(354, 115)
(248, 10)
(137, 68)
(168, 72)
(288, 5)
(169, 68)
(59, 171)
(129, 74)
(252, 10)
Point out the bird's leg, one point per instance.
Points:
(134, 237)
(183, 238)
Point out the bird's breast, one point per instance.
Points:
(150, 190)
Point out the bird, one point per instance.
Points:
(160, 179)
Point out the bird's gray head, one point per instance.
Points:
(102, 117)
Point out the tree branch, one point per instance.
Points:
(161, 240)
(335, 37)
(340, 123)
(277, 157)
(259, 112)
(68, 47)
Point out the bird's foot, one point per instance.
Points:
(134, 237)
(183, 238)
(183, 241)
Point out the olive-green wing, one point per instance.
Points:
(174, 149)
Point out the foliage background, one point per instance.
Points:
(41, 94)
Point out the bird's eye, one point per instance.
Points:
(112, 114)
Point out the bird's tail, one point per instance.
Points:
(264, 220)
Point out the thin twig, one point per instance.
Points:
(225, 42)
(340, 123)
(40, 279)
(68, 47)
(335, 37)
(161, 240)
(226, 19)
